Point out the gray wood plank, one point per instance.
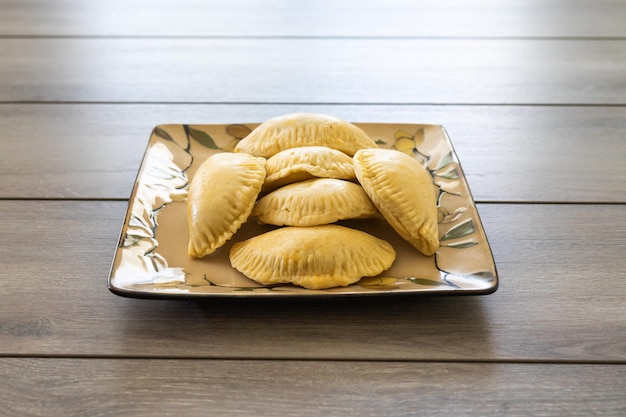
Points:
(573, 154)
(489, 18)
(113, 387)
(449, 71)
(561, 298)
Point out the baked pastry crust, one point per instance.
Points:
(221, 196)
(304, 129)
(315, 257)
(314, 202)
(298, 164)
(403, 192)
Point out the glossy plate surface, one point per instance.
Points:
(151, 259)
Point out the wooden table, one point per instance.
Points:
(533, 95)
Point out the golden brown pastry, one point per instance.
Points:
(314, 202)
(315, 257)
(403, 192)
(221, 196)
(298, 164)
(304, 129)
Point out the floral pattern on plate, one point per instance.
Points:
(151, 258)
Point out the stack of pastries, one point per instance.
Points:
(304, 172)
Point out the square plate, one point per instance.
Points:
(151, 259)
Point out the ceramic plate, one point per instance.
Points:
(151, 258)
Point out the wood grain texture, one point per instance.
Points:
(288, 70)
(77, 387)
(560, 299)
(532, 93)
(490, 18)
(549, 154)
